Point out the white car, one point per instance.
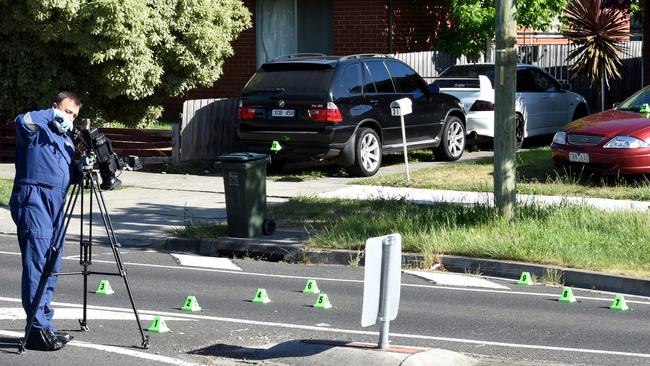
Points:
(542, 105)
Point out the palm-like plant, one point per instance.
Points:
(598, 33)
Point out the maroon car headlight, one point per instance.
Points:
(559, 138)
(626, 142)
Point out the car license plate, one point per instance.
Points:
(283, 113)
(579, 157)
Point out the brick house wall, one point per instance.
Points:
(359, 26)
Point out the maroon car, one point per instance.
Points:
(616, 141)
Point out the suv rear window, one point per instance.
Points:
(350, 83)
(291, 78)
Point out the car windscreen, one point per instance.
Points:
(468, 71)
(636, 101)
(291, 78)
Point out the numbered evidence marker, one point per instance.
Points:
(525, 279)
(619, 303)
(104, 288)
(567, 295)
(275, 146)
(311, 287)
(261, 297)
(191, 304)
(322, 302)
(158, 325)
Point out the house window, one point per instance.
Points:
(293, 26)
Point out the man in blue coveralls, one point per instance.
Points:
(44, 166)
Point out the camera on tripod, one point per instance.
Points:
(99, 155)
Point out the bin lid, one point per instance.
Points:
(242, 157)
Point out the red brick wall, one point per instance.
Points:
(359, 26)
(362, 25)
(416, 24)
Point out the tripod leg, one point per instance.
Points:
(84, 259)
(108, 225)
(83, 323)
(48, 269)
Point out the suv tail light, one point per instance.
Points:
(330, 114)
(247, 112)
(482, 105)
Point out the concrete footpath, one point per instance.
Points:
(153, 204)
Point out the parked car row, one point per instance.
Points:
(542, 104)
(338, 109)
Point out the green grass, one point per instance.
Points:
(572, 236)
(297, 176)
(6, 186)
(535, 175)
(200, 230)
(158, 125)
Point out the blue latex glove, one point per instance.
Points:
(62, 118)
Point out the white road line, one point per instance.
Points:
(435, 287)
(453, 279)
(205, 262)
(363, 332)
(113, 349)
(62, 313)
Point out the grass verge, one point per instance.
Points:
(571, 236)
(6, 186)
(535, 175)
(200, 230)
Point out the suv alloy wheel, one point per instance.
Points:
(367, 153)
(453, 140)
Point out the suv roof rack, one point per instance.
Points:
(360, 55)
(298, 55)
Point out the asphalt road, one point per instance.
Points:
(515, 324)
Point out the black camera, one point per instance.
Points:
(105, 159)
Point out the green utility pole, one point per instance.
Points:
(505, 194)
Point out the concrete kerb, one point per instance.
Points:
(290, 246)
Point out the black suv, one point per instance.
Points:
(338, 108)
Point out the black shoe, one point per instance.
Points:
(63, 337)
(43, 340)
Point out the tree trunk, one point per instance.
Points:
(505, 171)
(646, 42)
(602, 88)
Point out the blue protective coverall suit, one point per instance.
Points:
(44, 165)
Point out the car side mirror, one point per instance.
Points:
(566, 86)
(434, 88)
(616, 104)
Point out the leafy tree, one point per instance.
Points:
(122, 56)
(473, 23)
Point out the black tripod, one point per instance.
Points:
(90, 181)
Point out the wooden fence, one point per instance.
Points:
(152, 146)
(207, 128)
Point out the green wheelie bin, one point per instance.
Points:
(244, 180)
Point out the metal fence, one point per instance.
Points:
(551, 57)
